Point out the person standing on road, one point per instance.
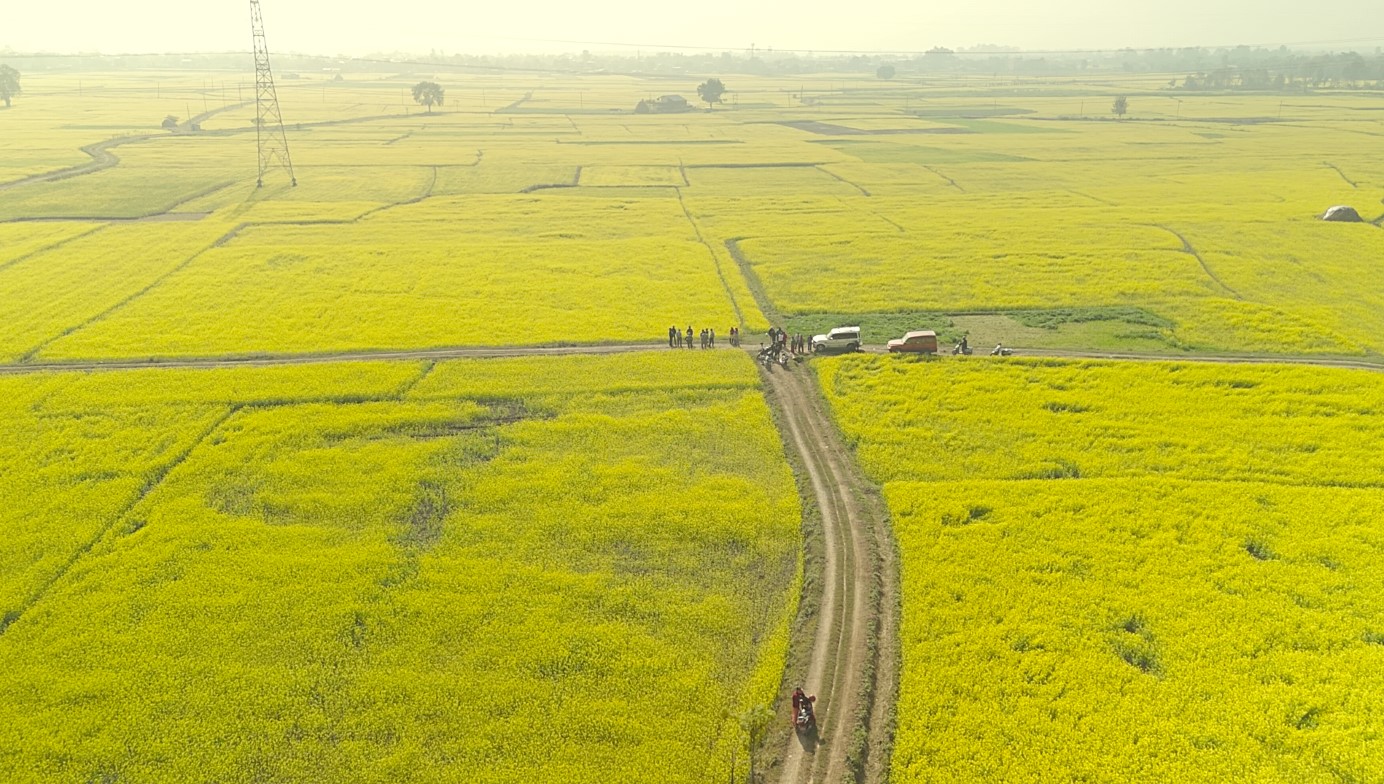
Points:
(712, 337)
(689, 336)
(673, 337)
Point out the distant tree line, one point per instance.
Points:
(1198, 68)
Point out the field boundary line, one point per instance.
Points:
(424, 196)
(152, 215)
(715, 262)
(1092, 198)
(824, 170)
(949, 180)
(1337, 169)
(752, 280)
(127, 300)
(47, 248)
(1191, 251)
(151, 482)
(884, 218)
(408, 388)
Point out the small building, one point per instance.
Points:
(668, 104)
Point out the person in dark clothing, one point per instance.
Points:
(689, 336)
(673, 337)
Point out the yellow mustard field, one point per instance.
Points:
(586, 568)
(494, 219)
(1146, 571)
(499, 571)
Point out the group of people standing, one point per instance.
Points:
(677, 339)
(794, 344)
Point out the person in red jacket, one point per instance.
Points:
(802, 709)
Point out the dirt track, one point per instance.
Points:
(845, 667)
(522, 351)
(322, 357)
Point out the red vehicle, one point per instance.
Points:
(922, 341)
(804, 717)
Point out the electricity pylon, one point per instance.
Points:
(269, 124)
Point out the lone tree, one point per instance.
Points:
(885, 71)
(711, 91)
(170, 123)
(1121, 106)
(427, 94)
(9, 84)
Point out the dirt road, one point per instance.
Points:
(326, 356)
(846, 667)
(604, 348)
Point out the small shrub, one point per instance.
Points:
(1259, 549)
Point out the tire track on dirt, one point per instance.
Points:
(842, 666)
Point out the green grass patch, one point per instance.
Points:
(876, 328)
(969, 112)
(1110, 328)
(887, 152)
(1055, 318)
(990, 126)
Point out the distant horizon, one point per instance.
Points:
(612, 27)
(633, 50)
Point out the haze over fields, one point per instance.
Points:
(356, 27)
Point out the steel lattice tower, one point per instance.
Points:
(269, 124)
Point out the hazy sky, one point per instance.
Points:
(356, 27)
